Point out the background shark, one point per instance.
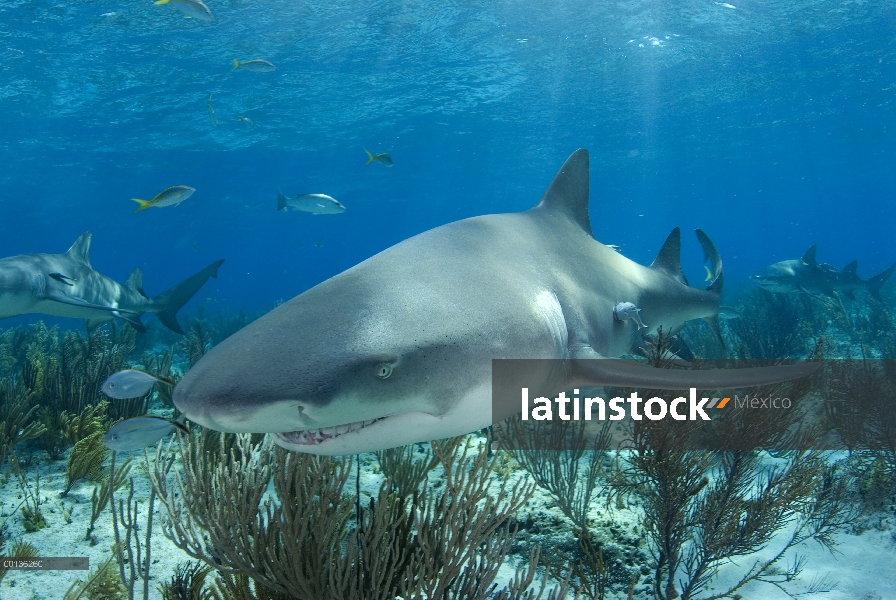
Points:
(65, 285)
(807, 275)
(399, 348)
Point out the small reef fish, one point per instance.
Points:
(256, 66)
(211, 112)
(614, 247)
(623, 311)
(131, 383)
(246, 120)
(709, 273)
(724, 5)
(191, 8)
(140, 432)
(383, 158)
(171, 196)
(316, 204)
(320, 243)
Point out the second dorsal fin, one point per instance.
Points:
(135, 282)
(668, 259)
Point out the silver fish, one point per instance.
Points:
(316, 204)
(131, 383)
(140, 432)
(211, 112)
(385, 158)
(623, 311)
(256, 66)
(170, 196)
(191, 8)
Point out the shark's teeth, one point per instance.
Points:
(312, 437)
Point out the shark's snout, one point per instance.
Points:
(230, 402)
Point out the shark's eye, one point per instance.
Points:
(383, 370)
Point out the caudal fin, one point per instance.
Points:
(166, 304)
(874, 284)
(716, 273)
(281, 201)
(712, 256)
(370, 156)
(144, 204)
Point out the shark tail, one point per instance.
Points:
(874, 284)
(166, 304)
(370, 156)
(712, 256)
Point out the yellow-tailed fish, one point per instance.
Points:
(168, 197)
(709, 274)
(191, 8)
(256, 66)
(140, 432)
(246, 120)
(131, 383)
(383, 158)
(211, 112)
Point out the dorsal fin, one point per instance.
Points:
(568, 192)
(809, 257)
(851, 267)
(80, 250)
(669, 257)
(135, 282)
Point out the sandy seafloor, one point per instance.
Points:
(863, 566)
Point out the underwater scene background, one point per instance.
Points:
(767, 125)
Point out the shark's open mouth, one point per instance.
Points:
(313, 437)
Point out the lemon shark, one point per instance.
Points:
(807, 275)
(65, 285)
(398, 349)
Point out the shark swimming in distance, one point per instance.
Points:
(65, 285)
(808, 276)
(398, 349)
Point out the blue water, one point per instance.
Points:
(769, 125)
